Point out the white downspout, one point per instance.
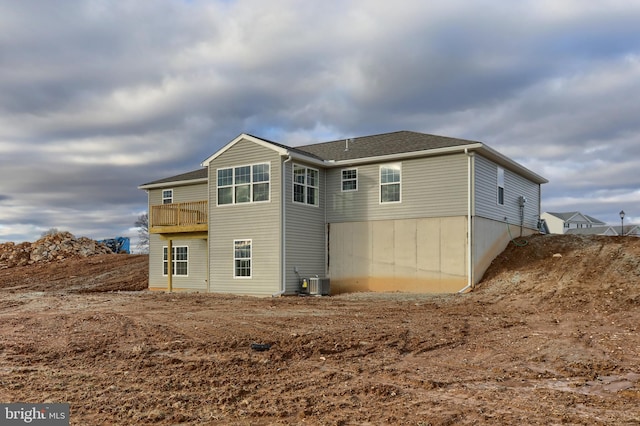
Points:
(283, 232)
(469, 223)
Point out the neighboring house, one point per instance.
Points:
(610, 230)
(401, 211)
(560, 223)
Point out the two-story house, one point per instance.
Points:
(561, 223)
(401, 211)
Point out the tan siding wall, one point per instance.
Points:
(197, 278)
(515, 185)
(416, 255)
(259, 222)
(305, 234)
(431, 187)
(196, 281)
(181, 194)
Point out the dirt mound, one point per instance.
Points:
(567, 270)
(50, 248)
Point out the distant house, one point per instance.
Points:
(611, 230)
(401, 211)
(560, 223)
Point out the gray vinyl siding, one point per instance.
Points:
(258, 222)
(196, 280)
(181, 194)
(486, 200)
(305, 233)
(430, 187)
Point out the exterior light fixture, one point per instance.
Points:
(622, 222)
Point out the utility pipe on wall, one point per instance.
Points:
(283, 232)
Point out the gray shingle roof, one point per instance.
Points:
(379, 145)
(192, 175)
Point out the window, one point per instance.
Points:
(349, 180)
(242, 259)
(243, 184)
(305, 185)
(167, 196)
(501, 186)
(179, 261)
(390, 183)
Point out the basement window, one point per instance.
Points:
(179, 261)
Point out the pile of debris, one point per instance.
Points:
(50, 248)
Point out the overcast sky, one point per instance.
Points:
(100, 96)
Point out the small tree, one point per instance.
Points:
(142, 223)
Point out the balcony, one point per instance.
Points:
(177, 218)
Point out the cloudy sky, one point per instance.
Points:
(100, 96)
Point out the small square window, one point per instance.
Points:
(349, 180)
(167, 196)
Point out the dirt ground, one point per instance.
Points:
(549, 337)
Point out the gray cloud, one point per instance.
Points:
(99, 97)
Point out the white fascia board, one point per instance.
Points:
(244, 136)
(173, 183)
(403, 155)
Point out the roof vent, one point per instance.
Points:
(346, 144)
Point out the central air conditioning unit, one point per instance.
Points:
(319, 286)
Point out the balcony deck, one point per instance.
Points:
(178, 218)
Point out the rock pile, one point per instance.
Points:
(50, 248)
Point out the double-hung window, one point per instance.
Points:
(349, 180)
(243, 184)
(179, 261)
(167, 196)
(500, 194)
(390, 183)
(305, 185)
(242, 258)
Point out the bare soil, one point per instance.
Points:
(542, 340)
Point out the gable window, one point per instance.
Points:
(242, 258)
(390, 181)
(349, 180)
(179, 261)
(305, 185)
(501, 186)
(167, 196)
(243, 184)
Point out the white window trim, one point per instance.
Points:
(174, 261)
(342, 180)
(380, 184)
(167, 198)
(500, 184)
(251, 184)
(236, 277)
(305, 185)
